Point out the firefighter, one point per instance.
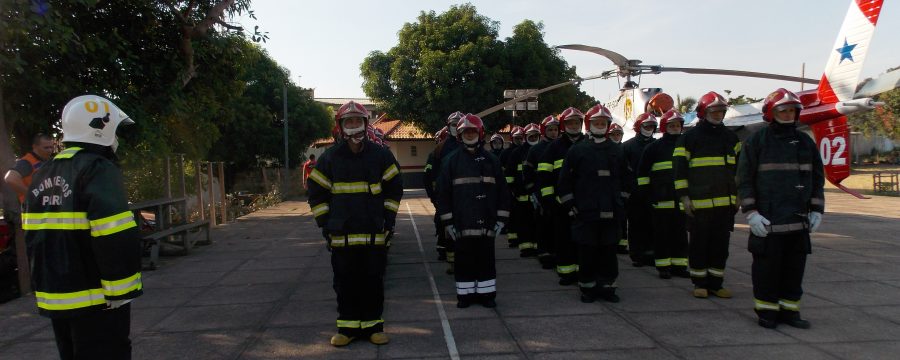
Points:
(82, 239)
(354, 196)
(517, 134)
(549, 129)
(659, 104)
(615, 134)
(780, 183)
(657, 184)
(496, 145)
(590, 187)
(640, 246)
(473, 205)
(429, 178)
(522, 216)
(548, 170)
(704, 164)
(447, 147)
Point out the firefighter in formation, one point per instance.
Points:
(549, 129)
(354, 195)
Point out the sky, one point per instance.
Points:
(323, 43)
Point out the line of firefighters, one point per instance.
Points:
(573, 196)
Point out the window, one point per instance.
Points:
(413, 151)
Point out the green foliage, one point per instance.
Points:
(210, 98)
(453, 61)
(883, 121)
(740, 99)
(686, 105)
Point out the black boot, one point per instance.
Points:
(767, 318)
(681, 271)
(588, 295)
(568, 279)
(792, 319)
(608, 294)
(664, 273)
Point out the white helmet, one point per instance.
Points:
(92, 119)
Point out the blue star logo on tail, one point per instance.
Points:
(846, 51)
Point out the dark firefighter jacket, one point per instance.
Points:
(632, 149)
(704, 161)
(355, 196)
(504, 157)
(429, 176)
(82, 238)
(591, 181)
(514, 168)
(780, 174)
(655, 176)
(548, 168)
(529, 167)
(443, 149)
(472, 195)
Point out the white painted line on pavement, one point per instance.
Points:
(448, 334)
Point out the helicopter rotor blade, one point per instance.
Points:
(616, 58)
(737, 73)
(531, 94)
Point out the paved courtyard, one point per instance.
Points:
(263, 291)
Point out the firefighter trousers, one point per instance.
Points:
(566, 250)
(476, 271)
(102, 334)
(640, 246)
(359, 285)
(670, 241)
(543, 221)
(522, 218)
(708, 248)
(777, 271)
(597, 261)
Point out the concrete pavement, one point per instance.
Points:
(263, 291)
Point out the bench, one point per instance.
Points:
(181, 235)
(885, 182)
(164, 230)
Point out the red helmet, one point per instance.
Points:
(517, 131)
(614, 128)
(709, 100)
(778, 99)
(641, 119)
(532, 129)
(349, 110)
(441, 134)
(548, 121)
(469, 121)
(598, 111)
(671, 115)
(454, 117)
(659, 104)
(571, 112)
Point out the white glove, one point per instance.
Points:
(574, 212)
(115, 304)
(815, 219)
(688, 206)
(451, 232)
(758, 224)
(498, 228)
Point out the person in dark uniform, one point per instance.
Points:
(657, 183)
(82, 239)
(781, 186)
(548, 171)
(354, 195)
(590, 191)
(640, 246)
(474, 207)
(704, 161)
(517, 135)
(496, 145)
(522, 216)
(542, 221)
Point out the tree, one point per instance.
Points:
(442, 63)
(534, 64)
(686, 104)
(884, 121)
(455, 62)
(740, 99)
(133, 53)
